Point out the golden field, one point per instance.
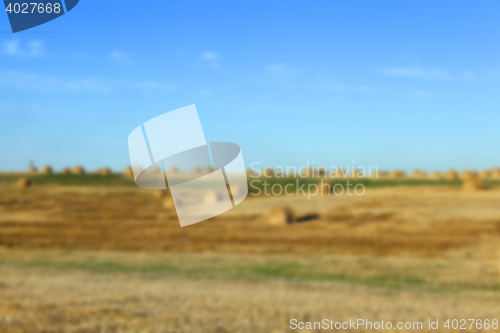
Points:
(108, 257)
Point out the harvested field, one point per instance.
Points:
(103, 256)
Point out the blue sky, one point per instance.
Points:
(396, 84)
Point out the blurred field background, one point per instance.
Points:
(91, 252)
(393, 84)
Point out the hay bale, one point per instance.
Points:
(78, 170)
(168, 202)
(197, 171)
(250, 173)
(495, 173)
(159, 193)
(47, 170)
(155, 171)
(280, 216)
(418, 174)
(24, 182)
(212, 197)
(469, 174)
(129, 172)
(380, 174)
(451, 175)
(436, 175)
(33, 170)
(207, 170)
(236, 190)
(473, 184)
(471, 180)
(324, 188)
(306, 172)
(397, 174)
(66, 171)
(485, 174)
(172, 171)
(268, 172)
(105, 172)
(358, 174)
(321, 172)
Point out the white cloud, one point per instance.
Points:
(416, 73)
(283, 70)
(119, 57)
(207, 55)
(275, 68)
(421, 93)
(49, 83)
(469, 75)
(156, 86)
(15, 48)
(283, 77)
(211, 58)
(30, 108)
(328, 87)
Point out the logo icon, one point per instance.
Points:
(28, 14)
(205, 180)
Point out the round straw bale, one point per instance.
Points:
(207, 170)
(47, 170)
(155, 171)
(172, 171)
(129, 172)
(358, 174)
(473, 184)
(469, 174)
(33, 170)
(436, 175)
(160, 193)
(212, 197)
(168, 202)
(66, 171)
(105, 172)
(236, 190)
(321, 171)
(451, 175)
(281, 216)
(397, 174)
(24, 182)
(380, 174)
(341, 173)
(418, 174)
(268, 172)
(306, 172)
(495, 173)
(485, 174)
(78, 170)
(324, 188)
